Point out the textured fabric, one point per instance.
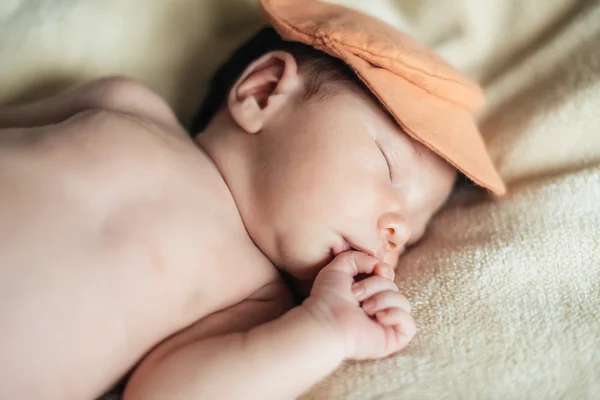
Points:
(430, 100)
(506, 293)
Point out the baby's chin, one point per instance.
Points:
(301, 278)
(300, 265)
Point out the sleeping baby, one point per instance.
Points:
(246, 261)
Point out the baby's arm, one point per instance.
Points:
(282, 358)
(277, 360)
(112, 93)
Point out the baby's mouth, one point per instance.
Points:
(348, 245)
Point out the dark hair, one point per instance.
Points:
(320, 69)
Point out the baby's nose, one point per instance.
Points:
(395, 230)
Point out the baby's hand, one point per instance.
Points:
(370, 316)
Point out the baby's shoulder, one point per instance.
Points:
(119, 126)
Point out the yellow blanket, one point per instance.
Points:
(506, 293)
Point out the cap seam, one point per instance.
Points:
(406, 65)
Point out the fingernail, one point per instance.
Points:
(392, 273)
(357, 289)
(386, 269)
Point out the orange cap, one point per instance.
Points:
(431, 101)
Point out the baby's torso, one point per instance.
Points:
(114, 235)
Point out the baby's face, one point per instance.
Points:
(339, 174)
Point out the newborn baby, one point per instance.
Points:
(317, 160)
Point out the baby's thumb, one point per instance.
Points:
(353, 263)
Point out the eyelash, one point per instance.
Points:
(389, 166)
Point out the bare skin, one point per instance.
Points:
(125, 240)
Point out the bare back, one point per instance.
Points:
(115, 234)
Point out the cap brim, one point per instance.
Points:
(446, 128)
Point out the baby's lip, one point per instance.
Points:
(348, 245)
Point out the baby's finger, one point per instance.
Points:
(384, 270)
(353, 263)
(402, 321)
(384, 300)
(373, 284)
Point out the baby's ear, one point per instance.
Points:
(263, 89)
